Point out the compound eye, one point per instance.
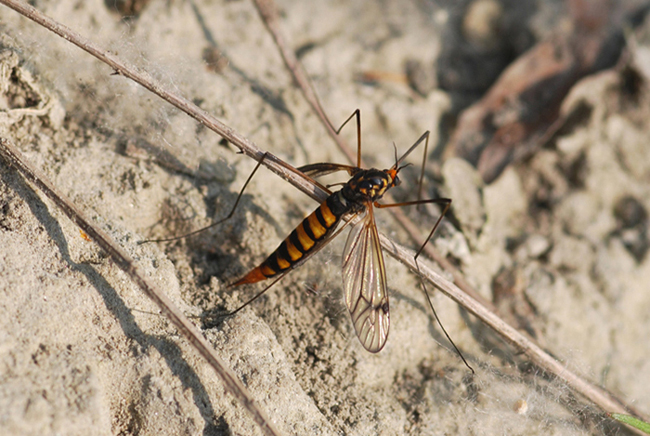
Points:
(397, 181)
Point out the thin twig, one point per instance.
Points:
(598, 396)
(127, 264)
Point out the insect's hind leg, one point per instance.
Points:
(232, 212)
(222, 316)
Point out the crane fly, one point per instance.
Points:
(364, 273)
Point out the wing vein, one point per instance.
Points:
(364, 279)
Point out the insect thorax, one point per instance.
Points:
(368, 186)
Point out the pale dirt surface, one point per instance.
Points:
(82, 351)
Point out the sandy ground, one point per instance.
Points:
(82, 351)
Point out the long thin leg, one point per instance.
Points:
(445, 201)
(447, 204)
(424, 161)
(258, 295)
(321, 169)
(232, 212)
(357, 112)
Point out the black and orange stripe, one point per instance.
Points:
(364, 187)
(303, 239)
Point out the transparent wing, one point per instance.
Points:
(364, 281)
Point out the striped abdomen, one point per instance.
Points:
(301, 242)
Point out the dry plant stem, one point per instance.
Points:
(143, 78)
(269, 15)
(126, 263)
(232, 384)
(595, 394)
